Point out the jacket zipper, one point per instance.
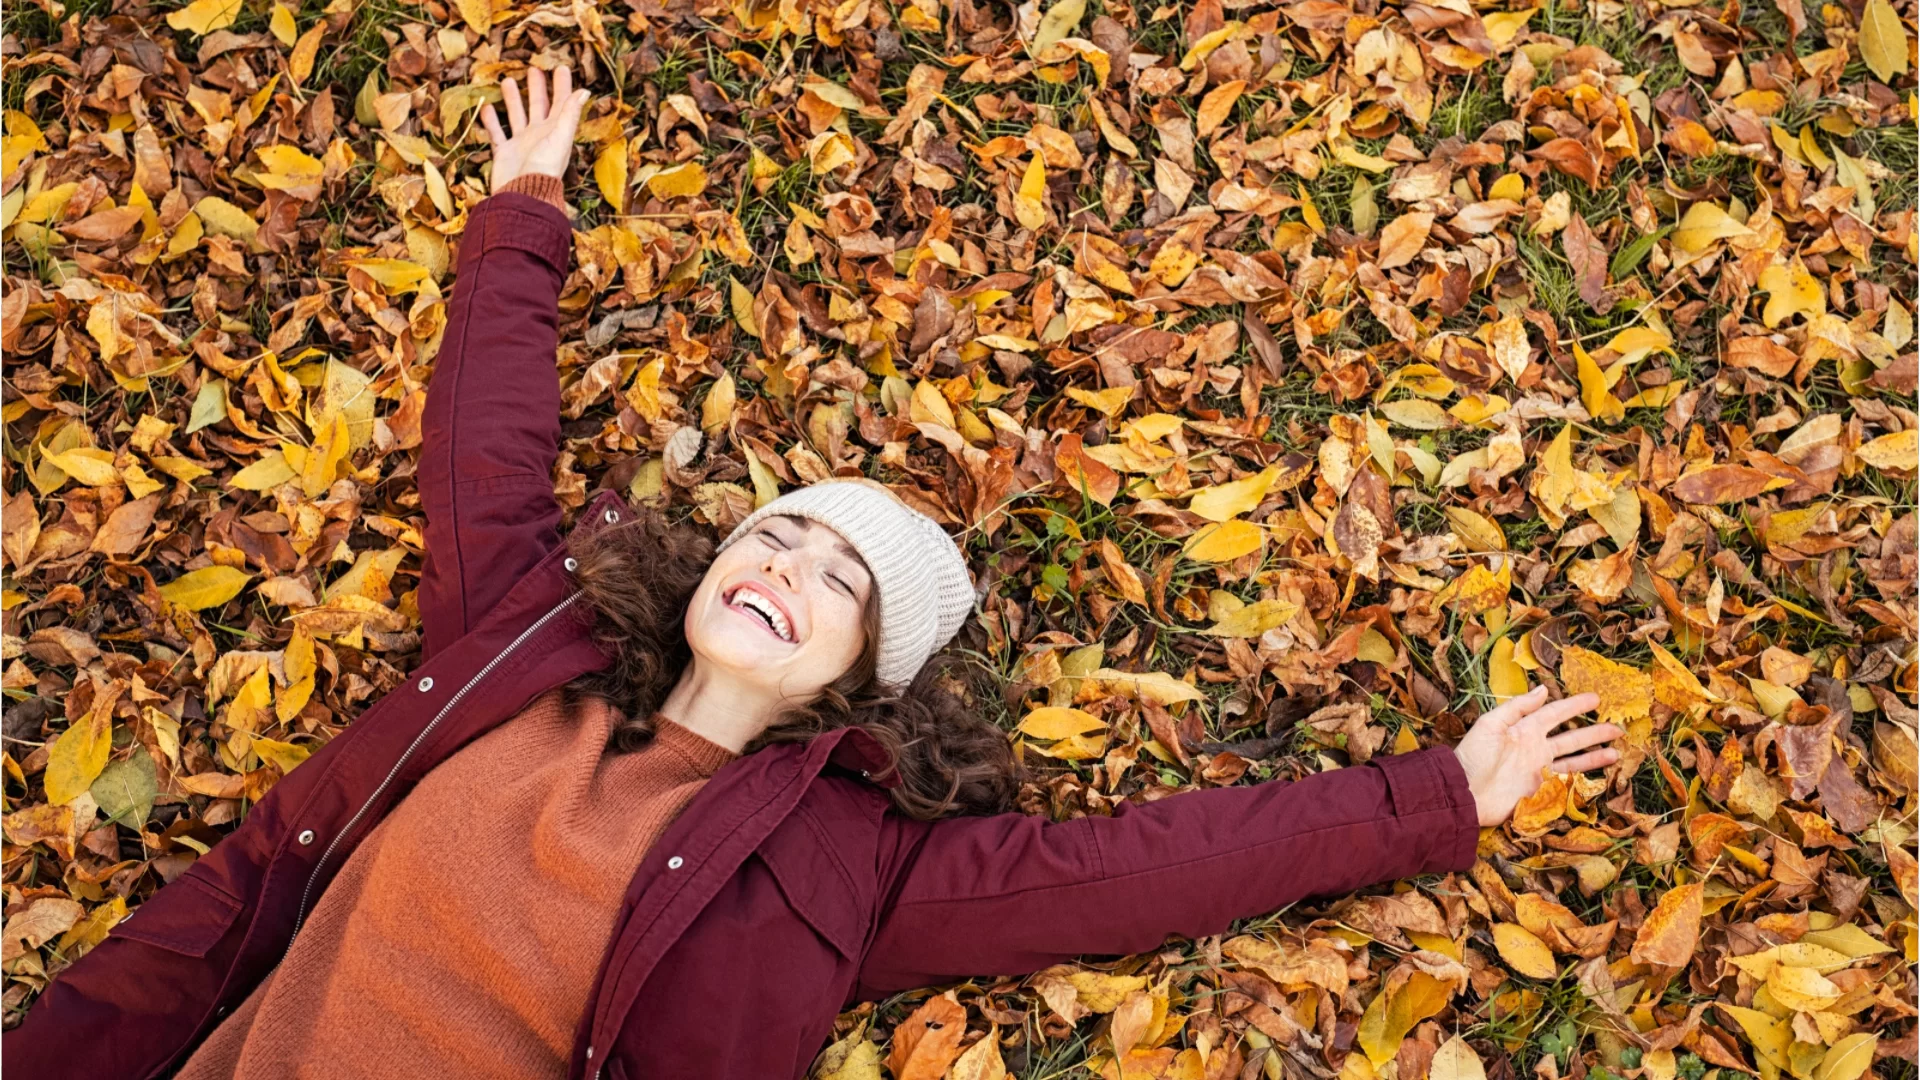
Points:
(300, 913)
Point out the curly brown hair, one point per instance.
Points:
(638, 578)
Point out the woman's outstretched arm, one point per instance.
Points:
(1014, 893)
(492, 425)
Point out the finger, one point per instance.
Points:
(516, 112)
(1552, 716)
(570, 119)
(562, 85)
(1592, 759)
(491, 121)
(1568, 742)
(536, 95)
(1512, 709)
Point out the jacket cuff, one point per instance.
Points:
(521, 222)
(548, 189)
(1430, 781)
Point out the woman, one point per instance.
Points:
(675, 837)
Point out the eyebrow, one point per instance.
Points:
(840, 544)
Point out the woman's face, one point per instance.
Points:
(782, 608)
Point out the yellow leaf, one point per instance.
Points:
(395, 275)
(325, 457)
(1059, 21)
(1418, 414)
(1791, 289)
(1254, 619)
(345, 391)
(305, 52)
(1898, 452)
(1029, 204)
(1394, 1012)
(80, 753)
(282, 755)
(1224, 542)
(1524, 952)
(206, 587)
(1155, 686)
(297, 659)
(1455, 1060)
(1310, 212)
(1477, 590)
(682, 181)
(1883, 40)
(1478, 531)
(1222, 502)
(741, 301)
(1056, 722)
(1626, 692)
(269, 472)
(1771, 1038)
(1704, 225)
(1801, 989)
(610, 173)
(1502, 26)
(283, 27)
(205, 16)
(478, 14)
(1505, 678)
(89, 465)
(1851, 1057)
(1108, 402)
(1594, 392)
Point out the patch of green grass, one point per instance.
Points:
(361, 48)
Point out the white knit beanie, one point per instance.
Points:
(925, 593)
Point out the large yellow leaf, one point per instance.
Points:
(209, 586)
(1851, 1057)
(1060, 20)
(1883, 40)
(1626, 692)
(1455, 1060)
(204, 16)
(80, 753)
(1057, 722)
(1252, 620)
(1224, 501)
(1704, 225)
(1030, 202)
(1394, 1012)
(679, 182)
(1791, 290)
(1505, 678)
(1524, 952)
(1898, 452)
(1224, 542)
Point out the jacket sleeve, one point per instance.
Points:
(492, 424)
(1014, 893)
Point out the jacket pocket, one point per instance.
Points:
(817, 883)
(189, 916)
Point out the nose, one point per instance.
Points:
(781, 567)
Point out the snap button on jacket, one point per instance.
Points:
(793, 891)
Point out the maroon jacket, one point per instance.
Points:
(787, 889)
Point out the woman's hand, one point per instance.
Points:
(542, 141)
(1509, 746)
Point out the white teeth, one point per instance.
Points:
(765, 608)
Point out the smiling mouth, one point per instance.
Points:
(751, 601)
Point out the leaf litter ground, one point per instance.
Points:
(1305, 378)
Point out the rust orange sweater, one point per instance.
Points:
(462, 936)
